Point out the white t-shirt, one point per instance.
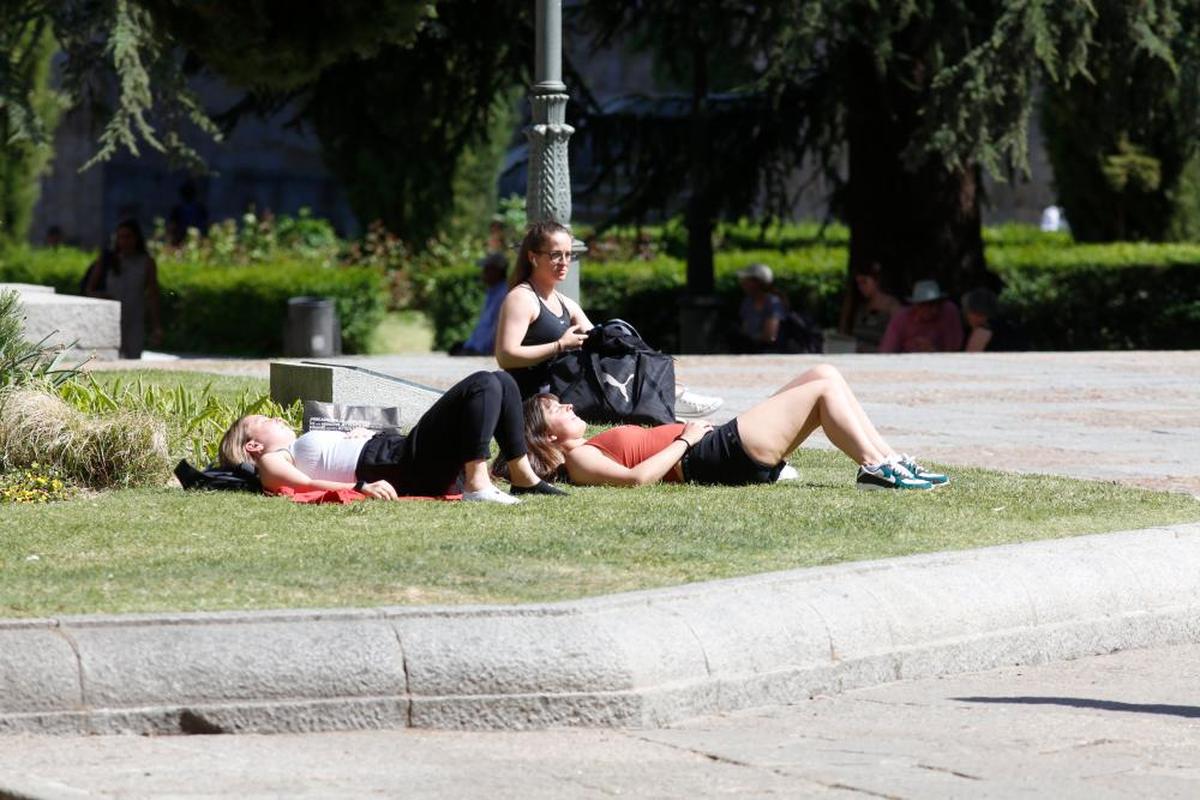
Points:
(327, 455)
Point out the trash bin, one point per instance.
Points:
(312, 328)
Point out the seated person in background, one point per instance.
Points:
(748, 449)
(988, 330)
(538, 323)
(761, 313)
(930, 325)
(482, 341)
(874, 311)
(453, 436)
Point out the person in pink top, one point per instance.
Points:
(930, 325)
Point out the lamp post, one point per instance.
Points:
(548, 192)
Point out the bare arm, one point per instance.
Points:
(588, 466)
(517, 312)
(276, 472)
(578, 318)
(977, 342)
(95, 269)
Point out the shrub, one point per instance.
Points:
(242, 310)
(236, 310)
(646, 293)
(1124, 295)
(1104, 297)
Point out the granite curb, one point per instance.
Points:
(640, 659)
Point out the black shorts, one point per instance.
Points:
(719, 459)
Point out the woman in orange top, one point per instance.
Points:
(750, 448)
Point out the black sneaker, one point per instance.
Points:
(541, 487)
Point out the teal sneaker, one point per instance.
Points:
(918, 471)
(889, 475)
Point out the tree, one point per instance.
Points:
(1121, 137)
(129, 59)
(400, 128)
(22, 161)
(903, 104)
(720, 145)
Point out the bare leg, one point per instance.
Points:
(475, 476)
(775, 427)
(830, 372)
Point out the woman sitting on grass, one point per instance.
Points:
(453, 436)
(747, 449)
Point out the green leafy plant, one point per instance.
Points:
(194, 420)
(23, 362)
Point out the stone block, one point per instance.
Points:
(88, 325)
(38, 670)
(224, 660)
(350, 385)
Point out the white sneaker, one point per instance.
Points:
(690, 404)
(788, 473)
(491, 495)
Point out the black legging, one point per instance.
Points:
(458, 428)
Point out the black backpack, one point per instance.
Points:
(243, 477)
(616, 377)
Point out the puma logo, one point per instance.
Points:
(623, 388)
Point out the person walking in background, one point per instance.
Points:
(930, 325)
(761, 313)
(128, 274)
(538, 324)
(482, 341)
(874, 310)
(989, 330)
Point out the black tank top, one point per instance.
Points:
(545, 329)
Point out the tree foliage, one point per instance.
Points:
(1120, 138)
(23, 160)
(129, 60)
(399, 127)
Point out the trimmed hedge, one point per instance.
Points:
(230, 310)
(1069, 297)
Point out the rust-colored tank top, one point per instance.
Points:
(630, 445)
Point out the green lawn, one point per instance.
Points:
(163, 549)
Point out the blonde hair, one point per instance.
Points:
(538, 235)
(233, 444)
(544, 456)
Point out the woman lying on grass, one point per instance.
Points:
(453, 436)
(748, 449)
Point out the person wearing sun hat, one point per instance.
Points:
(762, 310)
(930, 324)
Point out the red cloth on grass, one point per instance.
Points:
(344, 496)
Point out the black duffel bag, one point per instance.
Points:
(616, 377)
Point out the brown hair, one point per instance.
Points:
(233, 444)
(538, 235)
(544, 457)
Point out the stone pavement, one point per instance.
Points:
(1125, 725)
(1133, 417)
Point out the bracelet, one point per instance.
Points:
(558, 348)
(686, 444)
(358, 485)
